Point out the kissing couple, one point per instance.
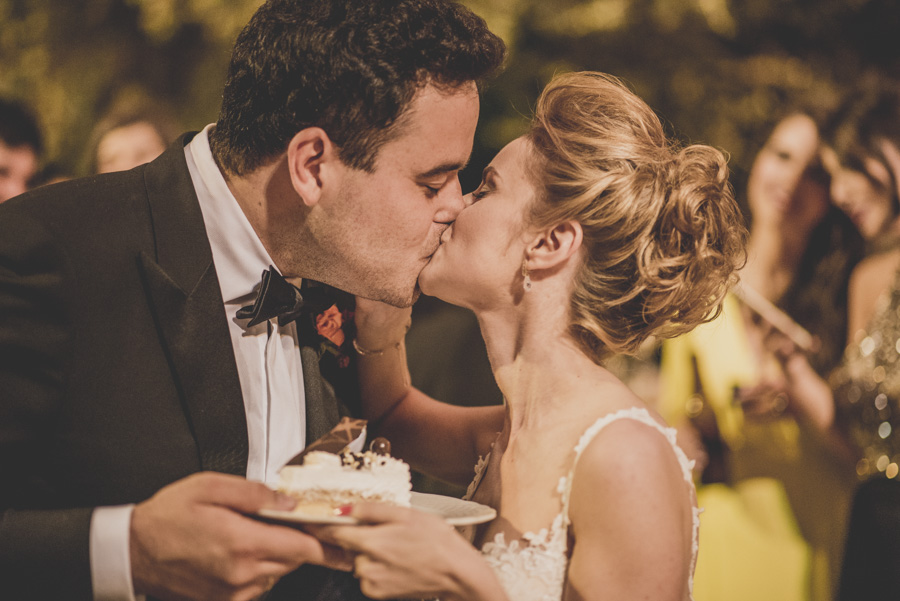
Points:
(143, 417)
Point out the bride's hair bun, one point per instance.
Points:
(663, 235)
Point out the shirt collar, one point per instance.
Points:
(238, 254)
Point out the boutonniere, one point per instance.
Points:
(329, 326)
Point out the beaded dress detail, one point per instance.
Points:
(867, 390)
(534, 567)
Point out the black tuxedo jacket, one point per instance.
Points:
(117, 375)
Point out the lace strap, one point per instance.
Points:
(480, 468)
(637, 414)
(479, 474)
(642, 415)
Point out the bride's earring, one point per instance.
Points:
(526, 277)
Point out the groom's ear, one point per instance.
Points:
(310, 154)
(554, 246)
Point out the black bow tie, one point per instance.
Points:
(276, 298)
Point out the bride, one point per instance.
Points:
(587, 235)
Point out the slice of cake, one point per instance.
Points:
(326, 481)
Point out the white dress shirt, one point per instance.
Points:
(268, 364)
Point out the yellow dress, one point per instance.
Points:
(773, 530)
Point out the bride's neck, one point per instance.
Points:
(534, 362)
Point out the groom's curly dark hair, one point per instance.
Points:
(350, 67)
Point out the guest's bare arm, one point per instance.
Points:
(631, 519)
(436, 438)
(811, 397)
(870, 280)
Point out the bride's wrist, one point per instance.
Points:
(365, 351)
(367, 343)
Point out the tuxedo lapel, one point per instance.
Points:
(322, 412)
(329, 366)
(187, 305)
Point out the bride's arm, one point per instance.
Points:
(631, 519)
(436, 438)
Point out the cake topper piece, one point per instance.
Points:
(345, 433)
(380, 446)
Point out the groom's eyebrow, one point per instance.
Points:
(442, 169)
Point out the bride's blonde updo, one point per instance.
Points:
(663, 234)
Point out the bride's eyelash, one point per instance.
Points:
(479, 193)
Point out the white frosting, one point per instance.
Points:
(324, 477)
(320, 459)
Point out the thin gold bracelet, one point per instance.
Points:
(364, 352)
(376, 353)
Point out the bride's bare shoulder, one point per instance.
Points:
(632, 463)
(631, 507)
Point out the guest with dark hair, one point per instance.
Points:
(21, 146)
(858, 407)
(149, 388)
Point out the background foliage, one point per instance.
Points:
(717, 71)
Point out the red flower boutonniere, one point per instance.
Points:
(330, 326)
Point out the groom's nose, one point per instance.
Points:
(450, 202)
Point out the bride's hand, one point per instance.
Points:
(403, 552)
(379, 325)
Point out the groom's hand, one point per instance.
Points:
(194, 540)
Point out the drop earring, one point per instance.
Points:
(526, 277)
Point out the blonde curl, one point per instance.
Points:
(663, 235)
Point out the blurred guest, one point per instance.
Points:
(129, 136)
(20, 148)
(858, 409)
(772, 500)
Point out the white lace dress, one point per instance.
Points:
(534, 568)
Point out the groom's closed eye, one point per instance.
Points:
(431, 191)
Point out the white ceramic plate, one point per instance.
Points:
(456, 511)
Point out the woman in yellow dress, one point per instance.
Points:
(768, 491)
(858, 408)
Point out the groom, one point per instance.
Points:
(137, 405)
